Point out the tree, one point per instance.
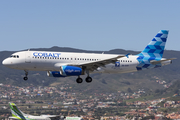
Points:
(157, 91)
(129, 90)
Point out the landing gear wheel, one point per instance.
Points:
(25, 78)
(79, 80)
(26, 74)
(88, 79)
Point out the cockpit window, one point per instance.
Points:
(14, 56)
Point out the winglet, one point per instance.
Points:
(127, 55)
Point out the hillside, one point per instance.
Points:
(101, 82)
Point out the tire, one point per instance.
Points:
(88, 79)
(79, 80)
(25, 78)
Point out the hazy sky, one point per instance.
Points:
(87, 24)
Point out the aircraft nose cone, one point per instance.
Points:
(5, 62)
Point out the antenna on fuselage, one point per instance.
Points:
(28, 49)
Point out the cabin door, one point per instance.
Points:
(28, 57)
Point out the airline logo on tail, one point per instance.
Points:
(16, 113)
(153, 51)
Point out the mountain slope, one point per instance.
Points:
(101, 82)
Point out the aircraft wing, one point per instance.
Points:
(154, 62)
(93, 65)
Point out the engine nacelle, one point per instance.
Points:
(66, 71)
(71, 71)
(54, 74)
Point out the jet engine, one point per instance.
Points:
(54, 74)
(66, 71)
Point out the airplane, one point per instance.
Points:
(17, 114)
(65, 64)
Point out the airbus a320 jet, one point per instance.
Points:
(65, 64)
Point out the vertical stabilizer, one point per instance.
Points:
(153, 51)
(16, 112)
(156, 47)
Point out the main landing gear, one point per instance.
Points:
(26, 74)
(88, 79)
(80, 80)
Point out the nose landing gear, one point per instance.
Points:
(26, 74)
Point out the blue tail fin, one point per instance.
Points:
(155, 48)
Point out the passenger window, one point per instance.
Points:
(17, 56)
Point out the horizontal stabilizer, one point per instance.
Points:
(154, 62)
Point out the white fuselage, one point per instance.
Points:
(51, 61)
